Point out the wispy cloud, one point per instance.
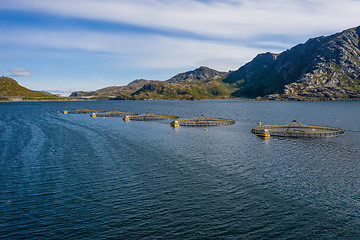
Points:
(146, 51)
(20, 72)
(228, 19)
(128, 39)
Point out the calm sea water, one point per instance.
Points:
(77, 177)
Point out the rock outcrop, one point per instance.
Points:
(323, 68)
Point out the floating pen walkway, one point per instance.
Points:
(113, 113)
(149, 117)
(82, 111)
(201, 121)
(296, 129)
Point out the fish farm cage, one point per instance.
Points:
(113, 113)
(82, 111)
(201, 121)
(149, 117)
(296, 129)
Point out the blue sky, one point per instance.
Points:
(73, 45)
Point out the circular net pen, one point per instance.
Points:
(113, 113)
(149, 117)
(296, 129)
(202, 121)
(82, 111)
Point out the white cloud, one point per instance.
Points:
(246, 23)
(228, 19)
(145, 51)
(221, 34)
(20, 72)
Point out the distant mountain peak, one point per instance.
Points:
(201, 73)
(138, 81)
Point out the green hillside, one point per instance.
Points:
(201, 83)
(10, 89)
(183, 91)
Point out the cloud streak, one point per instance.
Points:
(150, 51)
(231, 30)
(129, 39)
(222, 19)
(20, 72)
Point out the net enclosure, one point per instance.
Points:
(296, 129)
(201, 121)
(82, 111)
(113, 113)
(149, 117)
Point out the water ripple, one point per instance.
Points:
(72, 176)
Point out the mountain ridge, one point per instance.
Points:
(201, 83)
(201, 73)
(323, 68)
(112, 91)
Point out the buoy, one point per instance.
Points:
(175, 124)
(65, 112)
(264, 133)
(103, 117)
(259, 123)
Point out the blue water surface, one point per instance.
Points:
(76, 177)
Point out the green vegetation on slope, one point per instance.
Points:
(9, 89)
(201, 83)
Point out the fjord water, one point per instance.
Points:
(77, 177)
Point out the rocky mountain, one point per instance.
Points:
(323, 68)
(112, 92)
(201, 83)
(199, 74)
(11, 90)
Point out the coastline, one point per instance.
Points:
(261, 99)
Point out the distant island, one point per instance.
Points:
(323, 68)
